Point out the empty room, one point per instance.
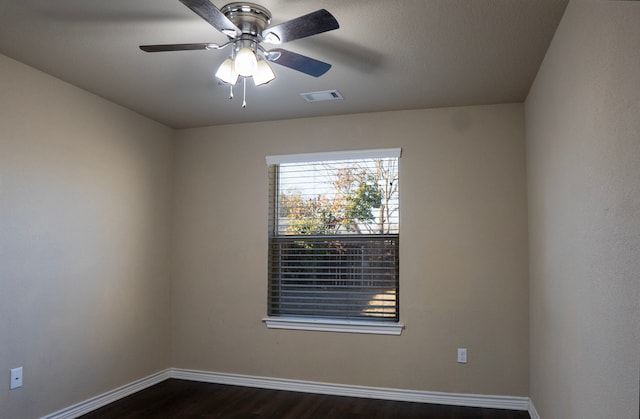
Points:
(426, 204)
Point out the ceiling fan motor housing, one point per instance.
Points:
(250, 18)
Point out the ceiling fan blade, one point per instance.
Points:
(209, 12)
(298, 62)
(301, 27)
(178, 47)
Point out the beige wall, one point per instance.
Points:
(583, 159)
(463, 252)
(84, 229)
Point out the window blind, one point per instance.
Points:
(334, 237)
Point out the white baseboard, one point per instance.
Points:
(453, 399)
(108, 397)
(532, 410)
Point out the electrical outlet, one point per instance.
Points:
(16, 378)
(462, 355)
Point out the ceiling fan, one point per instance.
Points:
(247, 27)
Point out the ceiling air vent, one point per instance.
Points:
(322, 96)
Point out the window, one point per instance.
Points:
(334, 238)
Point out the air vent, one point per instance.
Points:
(322, 96)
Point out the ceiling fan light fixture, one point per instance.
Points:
(227, 72)
(246, 62)
(263, 74)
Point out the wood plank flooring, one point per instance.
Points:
(180, 399)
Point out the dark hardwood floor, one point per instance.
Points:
(189, 399)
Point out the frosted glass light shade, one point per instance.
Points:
(263, 73)
(246, 62)
(227, 72)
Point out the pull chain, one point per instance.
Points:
(244, 94)
(231, 92)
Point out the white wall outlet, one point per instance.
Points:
(462, 355)
(16, 377)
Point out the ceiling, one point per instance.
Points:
(386, 55)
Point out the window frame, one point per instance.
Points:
(369, 326)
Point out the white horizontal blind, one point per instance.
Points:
(334, 238)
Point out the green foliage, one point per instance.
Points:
(360, 203)
(310, 216)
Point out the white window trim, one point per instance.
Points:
(326, 325)
(342, 326)
(335, 155)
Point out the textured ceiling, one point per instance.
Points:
(386, 55)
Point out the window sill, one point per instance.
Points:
(342, 326)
